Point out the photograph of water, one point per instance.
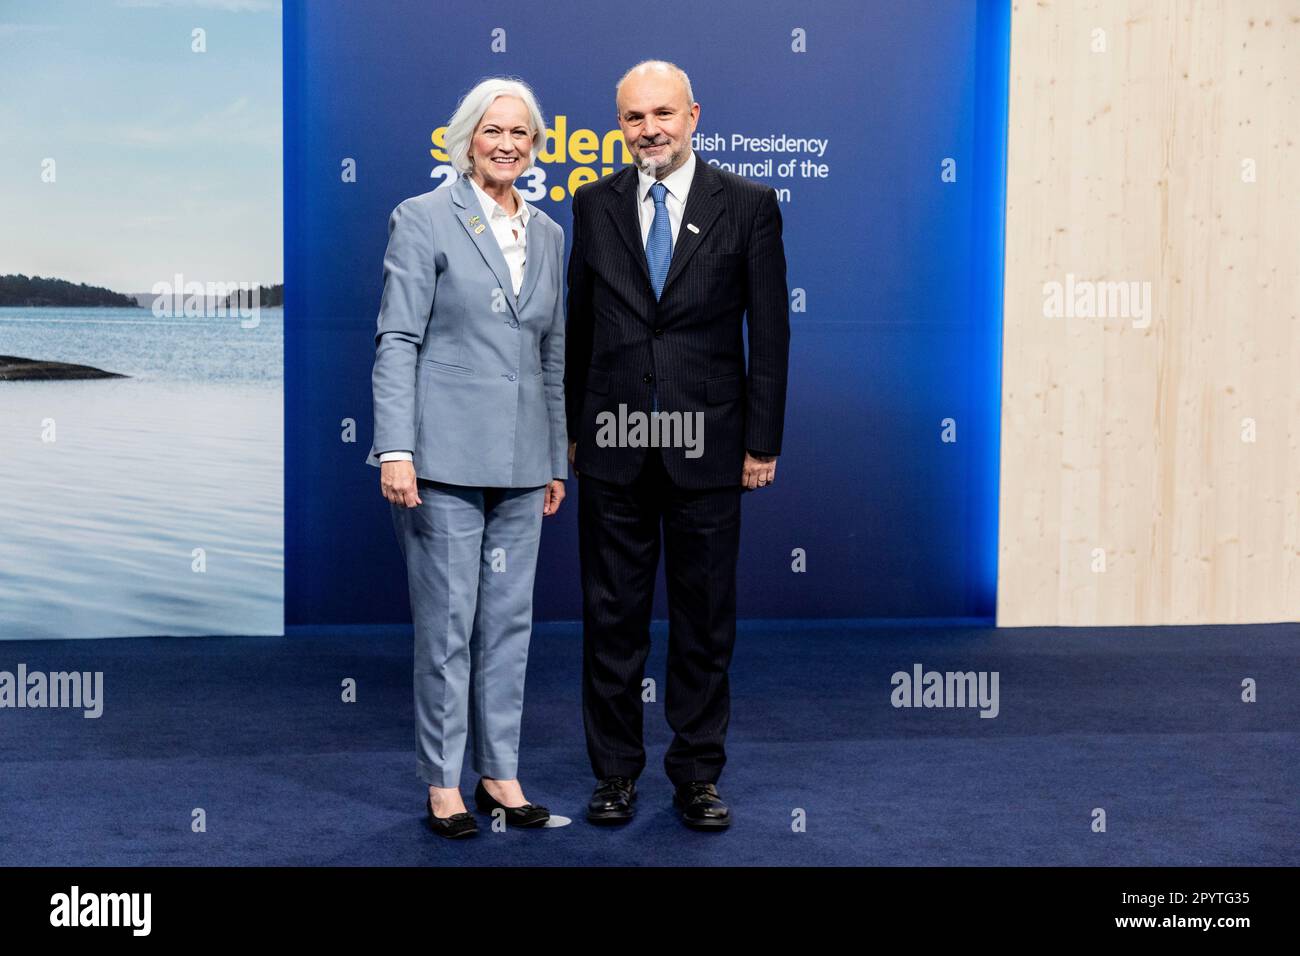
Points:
(150, 504)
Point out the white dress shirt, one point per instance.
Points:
(679, 186)
(508, 229)
(509, 232)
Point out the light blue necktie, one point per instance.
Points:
(658, 253)
(659, 246)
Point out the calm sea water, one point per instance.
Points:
(102, 528)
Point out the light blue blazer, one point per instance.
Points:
(466, 378)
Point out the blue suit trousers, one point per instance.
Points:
(471, 557)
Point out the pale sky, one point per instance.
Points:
(166, 160)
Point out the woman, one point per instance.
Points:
(470, 440)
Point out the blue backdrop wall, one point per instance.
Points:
(894, 234)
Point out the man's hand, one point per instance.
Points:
(760, 471)
(398, 483)
(573, 450)
(554, 495)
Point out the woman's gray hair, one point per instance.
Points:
(470, 110)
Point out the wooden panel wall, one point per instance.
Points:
(1150, 463)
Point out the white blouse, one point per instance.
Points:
(509, 230)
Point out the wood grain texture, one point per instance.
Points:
(1126, 438)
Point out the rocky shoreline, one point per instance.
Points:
(15, 369)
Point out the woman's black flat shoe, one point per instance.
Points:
(529, 815)
(453, 827)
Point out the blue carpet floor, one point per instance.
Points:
(1146, 723)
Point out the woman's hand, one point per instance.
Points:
(554, 495)
(398, 483)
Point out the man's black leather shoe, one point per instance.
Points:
(528, 815)
(700, 807)
(612, 801)
(455, 827)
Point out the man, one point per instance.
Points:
(670, 258)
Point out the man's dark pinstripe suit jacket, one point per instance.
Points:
(620, 343)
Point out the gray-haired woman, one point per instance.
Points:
(471, 442)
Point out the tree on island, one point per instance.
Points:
(36, 291)
(268, 296)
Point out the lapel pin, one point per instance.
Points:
(692, 227)
(479, 228)
(473, 219)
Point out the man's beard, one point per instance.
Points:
(651, 165)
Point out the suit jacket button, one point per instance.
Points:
(659, 333)
(511, 376)
(647, 378)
